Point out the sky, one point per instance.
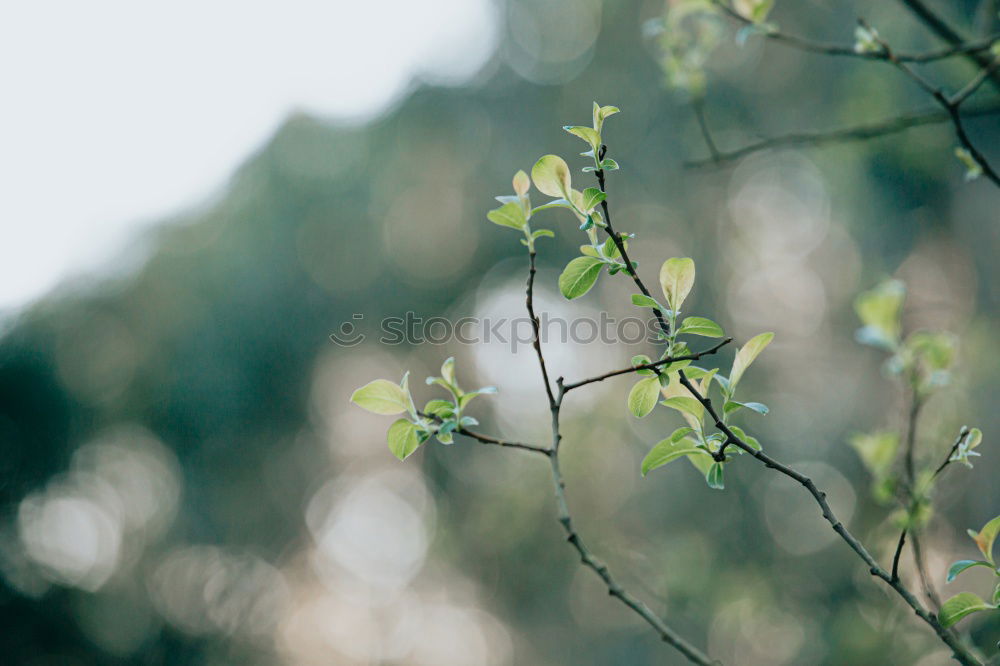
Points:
(119, 113)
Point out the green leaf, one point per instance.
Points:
(588, 134)
(579, 276)
(381, 397)
(700, 326)
(715, 476)
(448, 370)
(685, 405)
(879, 310)
(642, 397)
(609, 165)
(466, 398)
(746, 355)
(985, 537)
(521, 183)
(996, 595)
(551, 176)
(676, 280)
(877, 451)
(543, 232)
(960, 566)
(668, 451)
(555, 203)
(403, 438)
(642, 359)
(440, 408)
(508, 215)
(733, 405)
(644, 301)
(959, 606)
(591, 197)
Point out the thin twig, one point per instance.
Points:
(615, 589)
(939, 27)
(860, 132)
(648, 366)
(822, 48)
(946, 103)
(487, 439)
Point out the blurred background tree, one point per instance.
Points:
(183, 480)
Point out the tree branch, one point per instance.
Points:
(939, 27)
(960, 652)
(647, 366)
(860, 132)
(587, 558)
(958, 47)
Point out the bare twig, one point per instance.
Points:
(667, 634)
(940, 27)
(950, 104)
(648, 366)
(959, 47)
(850, 134)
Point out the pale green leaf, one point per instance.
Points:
(642, 397)
(959, 606)
(551, 176)
(588, 134)
(685, 405)
(644, 301)
(591, 197)
(508, 215)
(521, 183)
(403, 438)
(961, 565)
(746, 355)
(676, 280)
(579, 276)
(985, 537)
(381, 397)
(668, 451)
(700, 326)
(879, 311)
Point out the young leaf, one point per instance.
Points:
(960, 605)
(700, 326)
(960, 566)
(668, 451)
(591, 197)
(644, 301)
(609, 165)
(551, 176)
(676, 280)
(508, 215)
(746, 355)
(986, 536)
(733, 405)
(642, 359)
(685, 405)
(381, 397)
(441, 408)
(539, 233)
(715, 476)
(642, 397)
(521, 183)
(588, 134)
(579, 276)
(448, 370)
(403, 438)
(879, 309)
